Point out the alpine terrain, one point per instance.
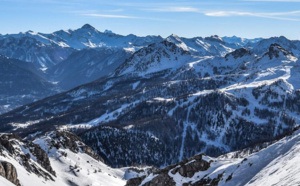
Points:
(85, 107)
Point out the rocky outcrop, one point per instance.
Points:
(8, 171)
(6, 143)
(41, 157)
(135, 181)
(28, 154)
(189, 167)
(275, 50)
(238, 53)
(186, 168)
(71, 141)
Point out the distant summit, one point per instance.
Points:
(88, 26)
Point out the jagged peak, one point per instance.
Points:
(173, 37)
(275, 50)
(280, 37)
(238, 53)
(166, 44)
(177, 41)
(215, 38)
(87, 26)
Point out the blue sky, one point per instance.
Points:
(188, 18)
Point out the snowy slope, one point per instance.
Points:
(64, 161)
(154, 58)
(77, 167)
(278, 164)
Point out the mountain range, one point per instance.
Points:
(218, 106)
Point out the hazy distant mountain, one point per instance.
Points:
(31, 50)
(240, 41)
(21, 83)
(87, 65)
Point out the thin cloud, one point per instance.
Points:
(272, 15)
(125, 17)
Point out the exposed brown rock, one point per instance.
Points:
(8, 171)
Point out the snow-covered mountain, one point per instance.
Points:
(87, 37)
(30, 49)
(208, 46)
(277, 164)
(56, 158)
(263, 45)
(219, 104)
(154, 58)
(143, 100)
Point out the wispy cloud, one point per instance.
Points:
(125, 17)
(288, 16)
(272, 15)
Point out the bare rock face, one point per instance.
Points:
(186, 168)
(135, 181)
(161, 180)
(42, 157)
(275, 50)
(6, 144)
(238, 53)
(2, 170)
(8, 171)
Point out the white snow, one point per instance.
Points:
(277, 164)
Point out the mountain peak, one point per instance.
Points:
(275, 50)
(177, 41)
(215, 38)
(88, 26)
(173, 37)
(238, 53)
